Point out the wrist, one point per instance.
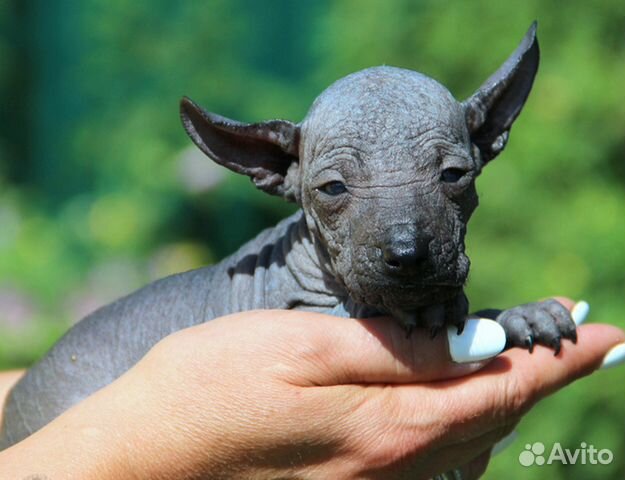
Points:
(89, 441)
(68, 447)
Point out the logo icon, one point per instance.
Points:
(533, 454)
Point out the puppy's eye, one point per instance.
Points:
(333, 188)
(452, 175)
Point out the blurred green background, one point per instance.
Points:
(101, 191)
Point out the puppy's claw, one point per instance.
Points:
(433, 318)
(434, 331)
(556, 344)
(529, 343)
(460, 328)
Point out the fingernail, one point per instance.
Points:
(580, 312)
(481, 339)
(504, 443)
(614, 357)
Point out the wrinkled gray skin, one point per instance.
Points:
(383, 166)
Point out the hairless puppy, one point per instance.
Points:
(383, 167)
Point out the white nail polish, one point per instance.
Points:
(614, 357)
(580, 312)
(481, 339)
(504, 443)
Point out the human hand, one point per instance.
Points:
(286, 394)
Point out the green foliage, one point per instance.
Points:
(99, 193)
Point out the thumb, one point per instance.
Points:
(377, 350)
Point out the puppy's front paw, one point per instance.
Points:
(546, 323)
(435, 317)
(452, 312)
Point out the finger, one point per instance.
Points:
(510, 385)
(543, 373)
(377, 350)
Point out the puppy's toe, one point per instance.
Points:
(433, 319)
(545, 328)
(562, 318)
(456, 312)
(518, 331)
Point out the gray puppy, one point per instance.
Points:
(384, 168)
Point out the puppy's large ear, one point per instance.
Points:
(491, 110)
(267, 152)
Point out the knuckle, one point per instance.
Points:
(517, 398)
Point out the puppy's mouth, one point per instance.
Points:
(402, 294)
(432, 306)
(411, 300)
(445, 307)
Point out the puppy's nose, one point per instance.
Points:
(403, 257)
